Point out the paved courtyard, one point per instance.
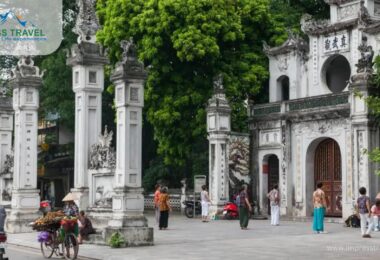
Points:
(192, 239)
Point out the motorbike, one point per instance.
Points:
(3, 239)
(189, 208)
(230, 211)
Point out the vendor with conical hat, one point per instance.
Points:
(70, 208)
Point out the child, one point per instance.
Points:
(375, 210)
(363, 208)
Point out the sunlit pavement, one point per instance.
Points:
(223, 239)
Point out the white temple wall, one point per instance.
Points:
(288, 64)
(263, 155)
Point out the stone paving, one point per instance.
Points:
(192, 239)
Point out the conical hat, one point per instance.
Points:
(69, 197)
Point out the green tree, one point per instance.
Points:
(373, 102)
(56, 93)
(185, 43)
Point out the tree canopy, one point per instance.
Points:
(185, 43)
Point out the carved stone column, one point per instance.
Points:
(26, 80)
(128, 200)
(87, 60)
(218, 128)
(362, 125)
(6, 132)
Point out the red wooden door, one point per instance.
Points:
(328, 170)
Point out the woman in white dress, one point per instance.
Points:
(205, 202)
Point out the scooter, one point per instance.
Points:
(230, 211)
(189, 209)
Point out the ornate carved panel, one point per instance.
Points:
(348, 11)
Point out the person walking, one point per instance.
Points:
(319, 202)
(274, 198)
(375, 210)
(363, 209)
(205, 202)
(244, 207)
(157, 203)
(164, 208)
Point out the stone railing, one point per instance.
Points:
(300, 104)
(265, 109)
(318, 101)
(175, 201)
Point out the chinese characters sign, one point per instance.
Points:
(337, 42)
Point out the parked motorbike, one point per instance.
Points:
(230, 211)
(3, 239)
(189, 209)
(3, 235)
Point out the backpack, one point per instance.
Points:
(353, 221)
(362, 204)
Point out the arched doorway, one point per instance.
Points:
(273, 174)
(328, 170)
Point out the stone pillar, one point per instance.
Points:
(360, 128)
(87, 60)
(6, 133)
(218, 128)
(362, 125)
(128, 200)
(26, 80)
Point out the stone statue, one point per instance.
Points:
(218, 84)
(129, 50)
(365, 62)
(102, 155)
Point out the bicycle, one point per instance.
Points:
(68, 247)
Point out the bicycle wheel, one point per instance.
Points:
(47, 248)
(71, 246)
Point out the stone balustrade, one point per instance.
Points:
(323, 101)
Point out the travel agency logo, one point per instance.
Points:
(28, 31)
(31, 27)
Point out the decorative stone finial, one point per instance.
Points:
(25, 68)
(365, 62)
(129, 50)
(87, 23)
(218, 84)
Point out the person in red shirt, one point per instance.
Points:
(375, 210)
(157, 203)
